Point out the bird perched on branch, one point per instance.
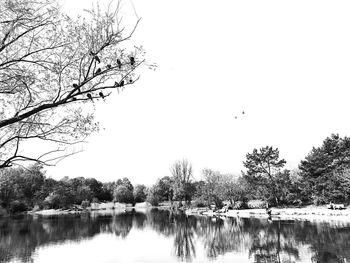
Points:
(121, 83)
(116, 84)
(74, 99)
(109, 66)
(119, 63)
(89, 96)
(101, 95)
(97, 59)
(130, 80)
(132, 61)
(76, 86)
(98, 71)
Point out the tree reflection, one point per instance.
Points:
(263, 241)
(184, 246)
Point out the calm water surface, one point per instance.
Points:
(162, 236)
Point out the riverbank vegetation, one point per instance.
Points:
(322, 177)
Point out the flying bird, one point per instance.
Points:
(101, 95)
(243, 112)
(236, 117)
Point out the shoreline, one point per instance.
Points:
(320, 213)
(300, 214)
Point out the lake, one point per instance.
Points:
(163, 236)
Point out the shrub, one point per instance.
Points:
(319, 200)
(52, 201)
(153, 200)
(17, 207)
(85, 204)
(239, 205)
(95, 200)
(199, 203)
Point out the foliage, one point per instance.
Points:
(152, 196)
(236, 189)
(325, 171)
(30, 187)
(212, 190)
(140, 193)
(123, 194)
(165, 189)
(126, 182)
(17, 207)
(85, 204)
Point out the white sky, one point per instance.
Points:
(285, 63)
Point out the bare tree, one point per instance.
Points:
(182, 175)
(50, 65)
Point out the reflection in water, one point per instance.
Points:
(260, 240)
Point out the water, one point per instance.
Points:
(161, 236)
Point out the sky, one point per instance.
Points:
(285, 64)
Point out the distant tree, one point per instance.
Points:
(140, 193)
(212, 190)
(107, 191)
(32, 182)
(152, 196)
(123, 195)
(96, 188)
(126, 182)
(200, 199)
(324, 171)
(63, 196)
(235, 189)
(183, 187)
(262, 167)
(8, 178)
(49, 65)
(164, 188)
(21, 184)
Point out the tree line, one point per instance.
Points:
(322, 177)
(23, 189)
